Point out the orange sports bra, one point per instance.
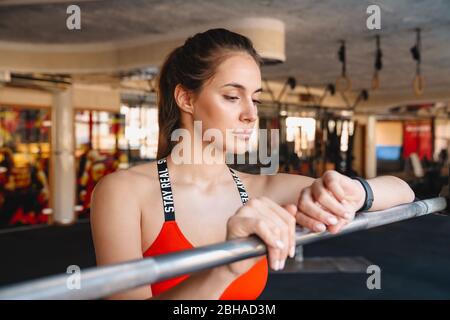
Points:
(170, 239)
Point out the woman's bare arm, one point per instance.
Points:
(331, 201)
(388, 191)
(115, 224)
(285, 188)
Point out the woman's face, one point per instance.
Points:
(228, 102)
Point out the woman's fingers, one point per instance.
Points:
(292, 210)
(327, 200)
(342, 222)
(263, 226)
(247, 222)
(271, 237)
(338, 227)
(274, 224)
(325, 204)
(331, 181)
(271, 213)
(287, 218)
(311, 224)
(309, 207)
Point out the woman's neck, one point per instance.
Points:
(198, 172)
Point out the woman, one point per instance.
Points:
(215, 78)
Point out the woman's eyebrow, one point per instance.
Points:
(239, 86)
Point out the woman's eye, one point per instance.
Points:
(256, 102)
(231, 98)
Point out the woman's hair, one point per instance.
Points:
(191, 65)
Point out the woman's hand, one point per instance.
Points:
(330, 202)
(273, 223)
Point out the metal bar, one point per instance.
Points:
(106, 280)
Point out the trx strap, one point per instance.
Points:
(416, 55)
(378, 64)
(343, 82)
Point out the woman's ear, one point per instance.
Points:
(184, 99)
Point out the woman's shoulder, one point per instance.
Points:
(133, 181)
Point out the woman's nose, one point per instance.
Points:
(250, 112)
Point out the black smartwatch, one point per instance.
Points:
(369, 194)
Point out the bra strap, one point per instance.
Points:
(240, 186)
(166, 190)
